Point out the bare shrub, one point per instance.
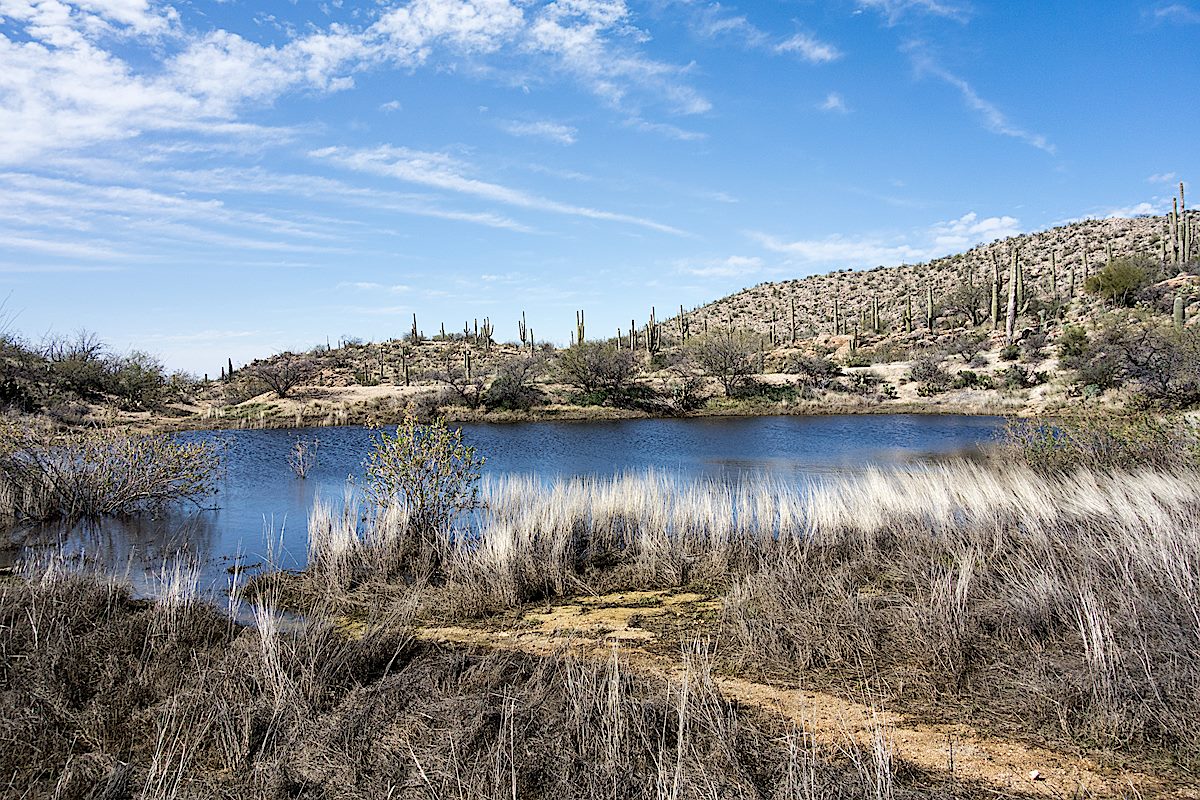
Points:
(283, 373)
(303, 456)
(46, 473)
(728, 357)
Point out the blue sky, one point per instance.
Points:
(212, 180)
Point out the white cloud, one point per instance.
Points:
(809, 48)
(550, 131)
(665, 129)
(840, 250)
(579, 36)
(731, 267)
(969, 230)
(834, 103)
(992, 117)
(1164, 177)
(895, 10)
(939, 239)
(390, 106)
(1177, 12)
(64, 87)
(372, 286)
(441, 171)
(1136, 210)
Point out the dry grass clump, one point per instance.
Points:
(1070, 603)
(104, 696)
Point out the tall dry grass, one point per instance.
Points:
(1070, 600)
(105, 696)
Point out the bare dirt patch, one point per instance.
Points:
(651, 629)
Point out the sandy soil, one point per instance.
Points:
(632, 623)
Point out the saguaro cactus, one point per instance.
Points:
(1010, 323)
(416, 335)
(579, 327)
(929, 307)
(1178, 312)
(522, 330)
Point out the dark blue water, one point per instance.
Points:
(261, 501)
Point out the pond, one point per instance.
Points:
(261, 508)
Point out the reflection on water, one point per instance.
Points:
(262, 509)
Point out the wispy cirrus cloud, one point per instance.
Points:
(895, 10)
(542, 129)
(834, 103)
(1177, 13)
(990, 115)
(729, 267)
(808, 47)
(712, 22)
(665, 129)
(442, 171)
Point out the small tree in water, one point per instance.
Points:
(429, 472)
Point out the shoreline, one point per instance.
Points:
(583, 414)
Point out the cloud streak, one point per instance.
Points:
(990, 115)
(441, 171)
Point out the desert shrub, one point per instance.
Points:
(1017, 377)
(1033, 347)
(282, 373)
(513, 389)
(1160, 363)
(886, 352)
(1010, 352)
(969, 379)
(460, 388)
(1120, 280)
(136, 379)
(968, 345)
(1101, 440)
(598, 368)
(686, 392)
(728, 356)
(1073, 343)
(927, 370)
(819, 372)
(426, 471)
(45, 473)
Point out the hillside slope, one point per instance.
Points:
(1049, 259)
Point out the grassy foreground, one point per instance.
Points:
(644, 637)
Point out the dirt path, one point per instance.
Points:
(629, 620)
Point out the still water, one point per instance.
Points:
(261, 508)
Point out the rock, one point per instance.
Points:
(1035, 775)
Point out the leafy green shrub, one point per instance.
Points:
(427, 471)
(1016, 377)
(1072, 343)
(1010, 352)
(969, 379)
(1120, 280)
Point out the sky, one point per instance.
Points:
(213, 180)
